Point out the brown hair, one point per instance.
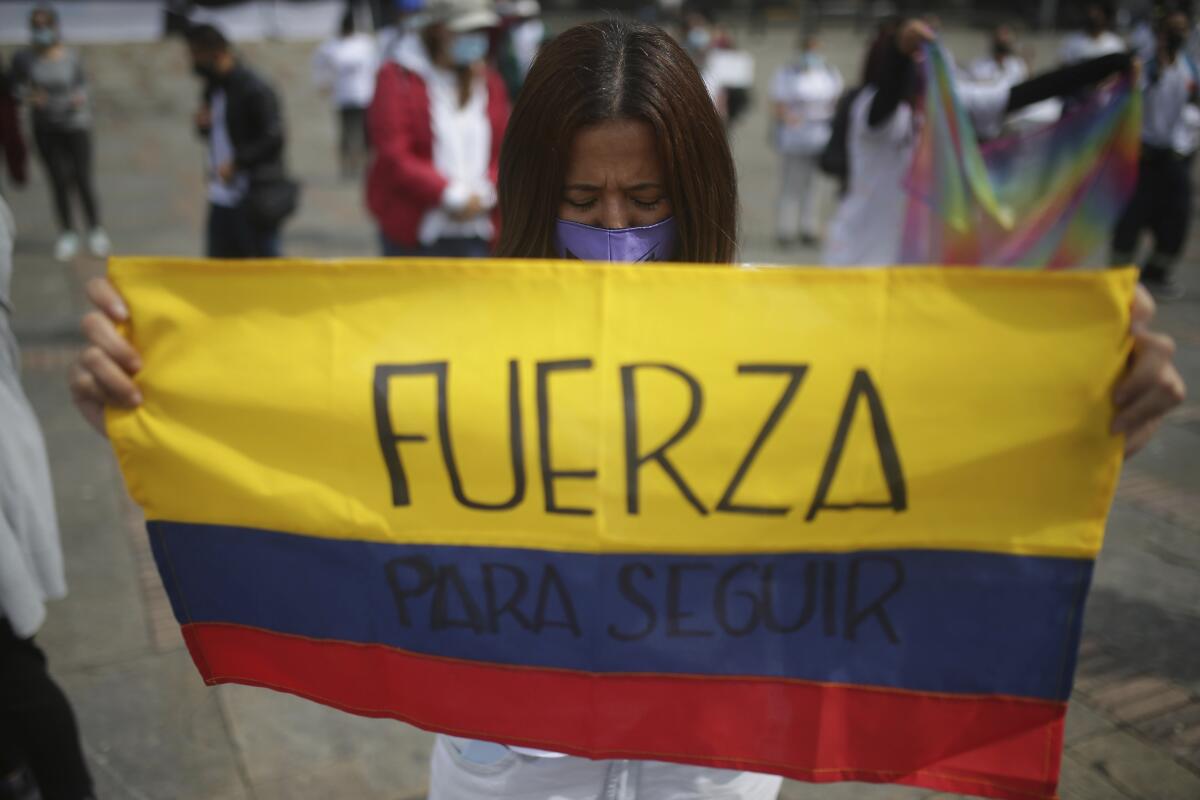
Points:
(616, 69)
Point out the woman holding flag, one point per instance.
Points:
(614, 152)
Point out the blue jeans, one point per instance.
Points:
(230, 235)
(459, 247)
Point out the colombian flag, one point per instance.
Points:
(835, 525)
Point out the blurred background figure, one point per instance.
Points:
(343, 67)
(1097, 37)
(1162, 200)
(522, 35)
(12, 142)
(49, 79)
(804, 95)
(728, 71)
(240, 119)
(1004, 65)
(401, 40)
(40, 752)
(436, 124)
(697, 41)
(1002, 62)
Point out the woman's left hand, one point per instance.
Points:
(1152, 385)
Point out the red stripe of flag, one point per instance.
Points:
(990, 746)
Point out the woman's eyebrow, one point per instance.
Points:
(644, 185)
(582, 187)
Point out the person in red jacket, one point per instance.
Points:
(436, 122)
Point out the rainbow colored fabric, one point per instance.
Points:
(1048, 199)
(830, 524)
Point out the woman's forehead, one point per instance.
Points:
(623, 150)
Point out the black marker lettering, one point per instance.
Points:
(549, 474)
(423, 573)
(448, 580)
(675, 613)
(635, 460)
(889, 459)
(721, 601)
(511, 603)
(630, 593)
(854, 616)
(795, 373)
(770, 620)
(552, 583)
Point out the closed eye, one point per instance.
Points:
(582, 206)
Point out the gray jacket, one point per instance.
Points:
(31, 564)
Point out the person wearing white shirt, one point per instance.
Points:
(804, 96)
(1162, 200)
(344, 67)
(867, 229)
(1097, 39)
(1002, 65)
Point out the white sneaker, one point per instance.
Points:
(98, 243)
(67, 246)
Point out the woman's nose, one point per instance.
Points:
(613, 214)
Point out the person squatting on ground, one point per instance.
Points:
(436, 124)
(614, 152)
(241, 121)
(49, 78)
(39, 740)
(1162, 199)
(804, 95)
(344, 67)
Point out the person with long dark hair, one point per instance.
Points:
(614, 152)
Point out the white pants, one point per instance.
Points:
(802, 190)
(514, 776)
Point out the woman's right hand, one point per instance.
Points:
(103, 373)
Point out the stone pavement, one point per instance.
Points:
(152, 730)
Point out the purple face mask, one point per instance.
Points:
(657, 242)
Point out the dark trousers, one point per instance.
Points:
(231, 235)
(1161, 202)
(67, 155)
(37, 726)
(458, 247)
(352, 137)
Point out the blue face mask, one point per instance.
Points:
(44, 37)
(467, 48)
(658, 242)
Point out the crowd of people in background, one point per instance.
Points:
(451, 115)
(421, 106)
(818, 133)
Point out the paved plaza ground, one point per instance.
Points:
(152, 730)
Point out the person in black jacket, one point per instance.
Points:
(241, 120)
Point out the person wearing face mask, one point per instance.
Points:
(867, 227)
(249, 194)
(614, 153)
(1097, 37)
(49, 78)
(1002, 65)
(436, 123)
(804, 96)
(1162, 199)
